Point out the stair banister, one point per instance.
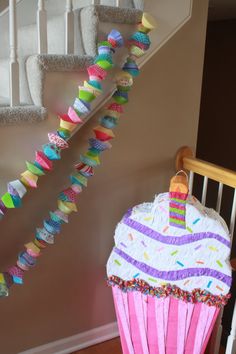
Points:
(69, 28)
(42, 28)
(231, 341)
(14, 65)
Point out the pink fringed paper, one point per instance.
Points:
(151, 325)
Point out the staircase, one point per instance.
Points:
(58, 41)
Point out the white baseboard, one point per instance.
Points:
(78, 341)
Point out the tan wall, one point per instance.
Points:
(66, 293)
(3, 4)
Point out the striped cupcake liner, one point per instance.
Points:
(149, 325)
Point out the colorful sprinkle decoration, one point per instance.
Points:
(89, 160)
(117, 262)
(209, 284)
(196, 221)
(179, 263)
(174, 253)
(197, 295)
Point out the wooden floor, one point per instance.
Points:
(110, 347)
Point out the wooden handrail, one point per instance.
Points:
(185, 161)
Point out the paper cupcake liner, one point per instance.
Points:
(85, 170)
(153, 325)
(96, 71)
(139, 44)
(121, 97)
(81, 107)
(29, 179)
(108, 122)
(11, 201)
(136, 51)
(17, 274)
(26, 259)
(18, 187)
(52, 227)
(115, 39)
(99, 145)
(85, 94)
(74, 116)
(131, 67)
(43, 234)
(61, 216)
(43, 161)
(63, 133)
(104, 48)
(94, 87)
(76, 188)
(35, 168)
(141, 37)
(51, 151)
(54, 138)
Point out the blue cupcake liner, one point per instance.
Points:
(86, 160)
(55, 218)
(95, 84)
(26, 259)
(81, 106)
(117, 37)
(141, 37)
(108, 122)
(98, 144)
(51, 151)
(44, 235)
(52, 229)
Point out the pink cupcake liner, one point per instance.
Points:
(43, 161)
(74, 116)
(54, 138)
(116, 107)
(151, 325)
(96, 71)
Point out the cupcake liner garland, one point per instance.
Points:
(84, 169)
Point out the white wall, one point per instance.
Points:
(66, 293)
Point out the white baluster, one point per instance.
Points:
(233, 215)
(219, 197)
(231, 342)
(191, 176)
(95, 2)
(204, 190)
(120, 3)
(69, 28)
(42, 28)
(14, 65)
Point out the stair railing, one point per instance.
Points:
(42, 38)
(42, 28)
(14, 65)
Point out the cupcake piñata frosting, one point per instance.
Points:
(157, 257)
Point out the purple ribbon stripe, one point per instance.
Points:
(172, 240)
(175, 274)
